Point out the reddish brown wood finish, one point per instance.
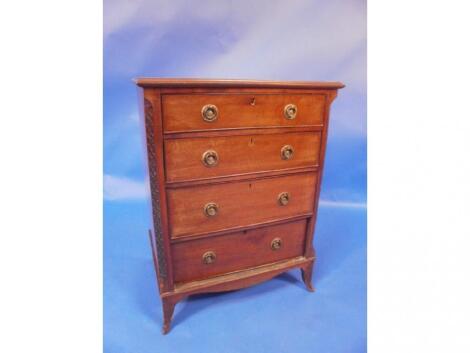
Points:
(239, 154)
(242, 132)
(247, 136)
(237, 251)
(309, 249)
(228, 282)
(155, 157)
(194, 83)
(239, 203)
(183, 112)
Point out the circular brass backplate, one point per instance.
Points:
(276, 244)
(210, 158)
(209, 257)
(211, 209)
(290, 111)
(287, 152)
(209, 113)
(283, 198)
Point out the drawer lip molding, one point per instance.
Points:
(243, 202)
(254, 248)
(234, 83)
(264, 130)
(194, 236)
(239, 154)
(240, 177)
(183, 112)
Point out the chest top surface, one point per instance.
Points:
(233, 83)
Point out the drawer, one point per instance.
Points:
(230, 111)
(202, 209)
(202, 258)
(200, 158)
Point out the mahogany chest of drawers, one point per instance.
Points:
(235, 169)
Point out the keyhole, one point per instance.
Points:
(253, 101)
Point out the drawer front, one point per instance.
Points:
(206, 257)
(202, 209)
(200, 158)
(218, 111)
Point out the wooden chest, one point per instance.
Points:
(235, 170)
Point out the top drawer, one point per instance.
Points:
(187, 112)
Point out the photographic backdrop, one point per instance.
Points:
(273, 40)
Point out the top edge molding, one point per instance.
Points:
(148, 82)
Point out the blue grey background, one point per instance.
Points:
(278, 40)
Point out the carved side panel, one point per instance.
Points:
(155, 193)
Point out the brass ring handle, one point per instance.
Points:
(290, 111)
(283, 198)
(276, 244)
(211, 209)
(287, 152)
(210, 158)
(209, 113)
(209, 257)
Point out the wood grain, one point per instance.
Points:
(309, 248)
(153, 82)
(183, 112)
(262, 130)
(248, 135)
(237, 251)
(239, 203)
(239, 154)
(241, 177)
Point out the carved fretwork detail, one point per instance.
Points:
(155, 193)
